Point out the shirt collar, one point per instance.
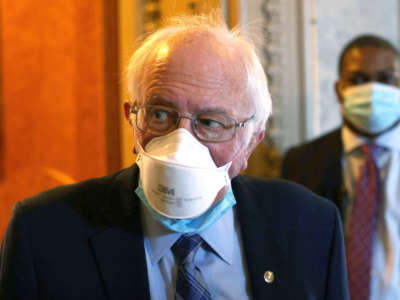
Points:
(159, 239)
(389, 140)
(220, 236)
(351, 140)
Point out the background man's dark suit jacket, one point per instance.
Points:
(318, 166)
(84, 241)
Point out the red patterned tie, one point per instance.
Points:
(363, 225)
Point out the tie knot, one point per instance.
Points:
(371, 150)
(186, 245)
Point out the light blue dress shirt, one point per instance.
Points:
(385, 268)
(221, 260)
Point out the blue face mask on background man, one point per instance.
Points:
(372, 107)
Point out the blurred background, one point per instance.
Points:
(62, 79)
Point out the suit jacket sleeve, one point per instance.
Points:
(17, 270)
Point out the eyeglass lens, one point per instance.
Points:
(209, 126)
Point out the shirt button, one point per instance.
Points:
(269, 276)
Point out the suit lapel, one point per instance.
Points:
(118, 246)
(265, 246)
(121, 261)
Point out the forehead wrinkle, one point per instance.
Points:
(207, 81)
(163, 74)
(219, 59)
(215, 72)
(173, 89)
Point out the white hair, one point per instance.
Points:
(212, 24)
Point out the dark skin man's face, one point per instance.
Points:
(368, 64)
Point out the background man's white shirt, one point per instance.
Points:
(385, 270)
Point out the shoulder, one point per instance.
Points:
(278, 191)
(318, 145)
(285, 201)
(66, 192)
(91, 198)
(307, 163)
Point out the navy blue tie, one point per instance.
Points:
(190, 283)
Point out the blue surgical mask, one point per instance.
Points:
(197, 224)
(372, 107)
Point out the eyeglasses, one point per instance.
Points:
(208, 126)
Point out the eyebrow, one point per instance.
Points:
(159, 100)
(216, 109)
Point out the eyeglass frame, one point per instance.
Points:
(192, 117)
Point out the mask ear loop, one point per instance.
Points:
(235, 157)
(132, 122)
(227, 166)
(141, 150)
(225, 169)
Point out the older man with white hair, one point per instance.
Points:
(181, 223)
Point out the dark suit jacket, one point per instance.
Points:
(84, 241)
(318, 166)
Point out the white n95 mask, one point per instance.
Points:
(179, 177)
(372, 107)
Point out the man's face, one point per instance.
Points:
(363, 65)
(190, 78)
(368, 64)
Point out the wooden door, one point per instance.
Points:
(59, 102)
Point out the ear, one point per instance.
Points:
(338, 90)
(127, 113)
(256, 138)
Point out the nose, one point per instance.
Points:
(186, 123)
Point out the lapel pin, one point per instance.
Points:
(269, 276)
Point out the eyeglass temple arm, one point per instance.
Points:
(134, 109)
(242, 124)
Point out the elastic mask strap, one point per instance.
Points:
(227, 166)
(140, 153)
(234, 158)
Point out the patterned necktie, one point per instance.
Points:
(363, 225)
(190, 284)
